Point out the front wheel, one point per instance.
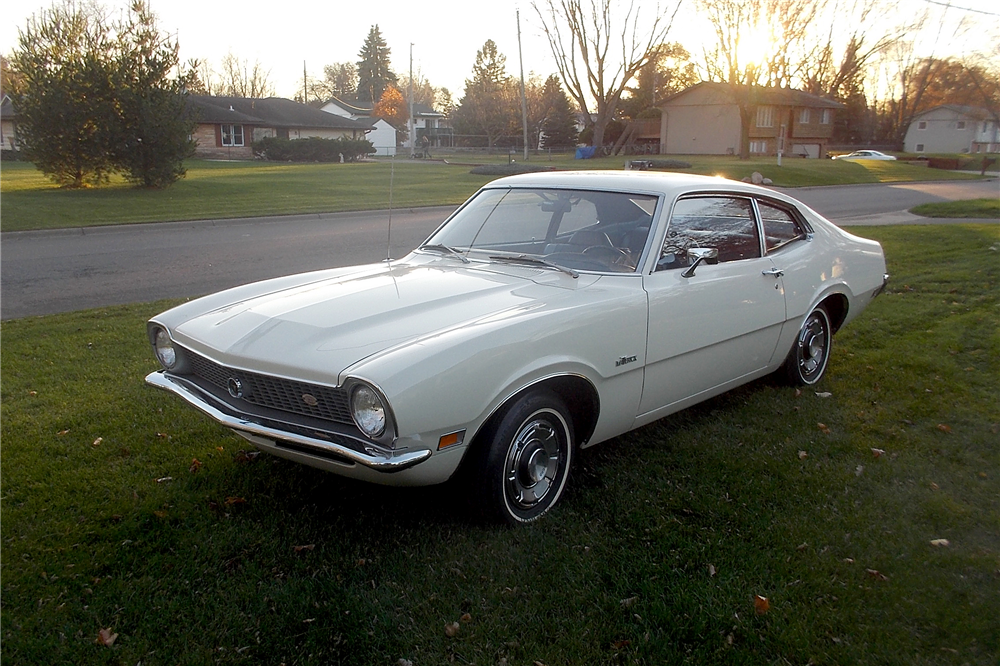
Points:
(528, 460)
(810, 354)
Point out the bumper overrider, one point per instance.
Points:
(348, 450)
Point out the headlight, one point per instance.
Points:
(368, 410)
(164, 348)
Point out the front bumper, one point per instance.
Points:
(370, 457)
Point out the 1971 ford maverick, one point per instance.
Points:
(550, 312)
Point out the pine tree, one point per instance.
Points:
(374, 72)
(559, 129)
(490, 106)
(63, 95)
(154, 123)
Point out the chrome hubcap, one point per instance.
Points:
(812, 346)
(532, 463)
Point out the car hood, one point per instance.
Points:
(315, 329)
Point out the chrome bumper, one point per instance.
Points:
(392, 462)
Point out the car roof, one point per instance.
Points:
(670, 184)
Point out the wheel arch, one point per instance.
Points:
(836, 306)
(576, 391)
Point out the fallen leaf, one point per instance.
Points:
(798, 392)
(849, 560)
(62, 432)
(877, 575)
(944, 427)
(627, 603)
(160, 514)
(859, 470)
(195, 465)
(940, 542)
(451, 629)
(802, 546)
(803, 455)
(309, 620)
(299, 549)
(106, 637)
(761, 604)
(711, 570)
(232, 501)
(823, 394)
(32, 392)
(878, 453)
(164, 479)
(163, 435)
(465, 619)
(824, 428)
(618, 645)
(97, 442)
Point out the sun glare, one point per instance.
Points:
(752, 48)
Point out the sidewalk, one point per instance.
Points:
(905, 217)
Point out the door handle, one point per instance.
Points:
(774, 272)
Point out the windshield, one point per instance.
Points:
(576, 229)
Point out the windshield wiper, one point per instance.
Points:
(437, 247)
(534, 261)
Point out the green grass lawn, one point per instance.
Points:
(971, 208)
(122, 510)
(215, 190)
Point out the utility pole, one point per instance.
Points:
(409, 122)
(524, 101)
(305, 84)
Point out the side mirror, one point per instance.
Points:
(708, 255)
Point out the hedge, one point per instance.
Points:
(313, 149)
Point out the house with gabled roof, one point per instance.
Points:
(435, 125)
(705, 120)
(953, 128)
(227, 126)
(383, 136)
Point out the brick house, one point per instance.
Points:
(226, 126)
(705, 120)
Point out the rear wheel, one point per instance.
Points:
(528, 460)
(810, 354)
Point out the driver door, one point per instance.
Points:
(715, 327)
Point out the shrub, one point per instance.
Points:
(313, 149)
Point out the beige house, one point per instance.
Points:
(951, 128)
(227, 126)
(705, 120)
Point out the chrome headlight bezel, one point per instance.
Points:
(371, 413)
(168, 353)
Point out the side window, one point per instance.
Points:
(720, 222)
(780, 226)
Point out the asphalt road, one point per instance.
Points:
(45, 272)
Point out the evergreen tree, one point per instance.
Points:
(63, 94)
(559, 130)
(92, 98)
(490, 106)
(374, 72)
(153, 121)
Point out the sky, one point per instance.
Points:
(445, 34)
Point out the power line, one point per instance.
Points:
(961, 9)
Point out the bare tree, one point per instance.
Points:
(595, 67)
(240, 79)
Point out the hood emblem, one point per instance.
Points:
(235, 387)
(310, 399)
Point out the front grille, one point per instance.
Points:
(286, 395)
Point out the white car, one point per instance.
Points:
(864, 155)
(550, 312)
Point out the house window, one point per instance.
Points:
(758, 147)
(922, 125)
(765, 116)
(920, 147)
(826, 117)
(960, 125)
(232, 135)
(804, 116)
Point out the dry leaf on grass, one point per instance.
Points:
(878, 453)
(106, 637)
(877, 575)
(940, 543)
(944, 427)
(761, 605)
(465, 619)
(97, 442)
(232, 501)
(195, 465)
(803, 455)
(451, 629)
(299, 549)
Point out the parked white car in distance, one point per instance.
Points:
(864, 155)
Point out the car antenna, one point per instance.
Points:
(388, 235)
(388, 238)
